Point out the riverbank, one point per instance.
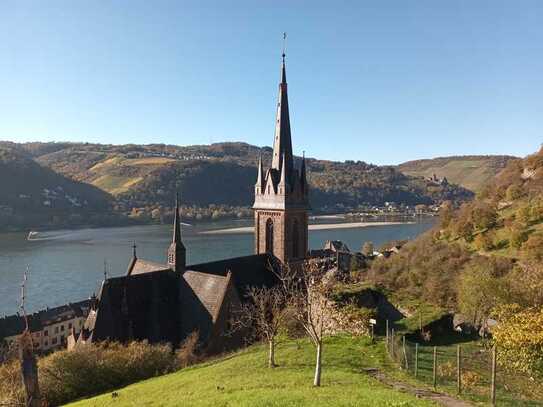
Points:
(320, 226)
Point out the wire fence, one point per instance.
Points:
(469, 369)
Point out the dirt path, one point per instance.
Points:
(440, 398)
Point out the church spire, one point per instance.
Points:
(177, 251)
(176, 222)
(282, 143)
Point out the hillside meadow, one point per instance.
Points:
(243, 379)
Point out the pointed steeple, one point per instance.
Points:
(260, 175)
(282, 143)
(176, 222)
(177, 251)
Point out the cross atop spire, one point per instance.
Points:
(134, 249)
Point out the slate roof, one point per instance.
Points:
(166, 306)
(140, 266)
(209, 288)
(258, 270)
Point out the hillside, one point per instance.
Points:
(137, 183)
(484, 261)
(471, 172)
(224, 173)
(244, 380)
(35, 195)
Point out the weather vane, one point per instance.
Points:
(284, 44)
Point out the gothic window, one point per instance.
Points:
(295, 239)
(269, 236)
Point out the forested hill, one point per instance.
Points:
(32, 194)
(223, 174)
(484, 260)
(471, 171)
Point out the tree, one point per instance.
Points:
(484, 215)
(308, 290)
(513, 192)
(484, 241)
(533, 247)
(480, 289)
(446, 213)
(265, 314)
(518, 236)
(518, 337)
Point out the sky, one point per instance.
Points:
(379, 81)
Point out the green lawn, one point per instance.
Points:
(244, 380)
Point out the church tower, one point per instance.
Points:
(177, 251)
(281, 193)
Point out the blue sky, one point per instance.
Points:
(379, 81)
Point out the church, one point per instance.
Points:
(167, 302)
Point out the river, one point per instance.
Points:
(68, 265)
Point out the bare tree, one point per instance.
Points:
(29, 366)
(264, 315)
(307, 289)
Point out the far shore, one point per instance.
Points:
(321, 226)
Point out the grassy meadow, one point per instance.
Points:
(243, 379)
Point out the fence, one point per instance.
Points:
(469, 369)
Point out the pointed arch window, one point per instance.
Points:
(269, 236)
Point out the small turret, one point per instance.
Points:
(177, 251)
(260, 177)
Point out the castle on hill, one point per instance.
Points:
(166, 302)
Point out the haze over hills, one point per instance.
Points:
(120, 178)
(470, 171)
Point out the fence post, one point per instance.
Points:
(392, 343)
(458, 369)
(405, 354)
(493, 378)
(416, 359)
(388, 343)
(435, 368)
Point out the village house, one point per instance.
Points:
(49, 328)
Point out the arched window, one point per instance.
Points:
(295, 239)
(269, 236)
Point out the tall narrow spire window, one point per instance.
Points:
(269, 236)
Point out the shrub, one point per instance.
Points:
(11, 389)
(189, 351)
(518, 236)
(471, 379)
(88, 370)
(447, 370)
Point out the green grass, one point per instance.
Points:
(244, 380)
(420, 312)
